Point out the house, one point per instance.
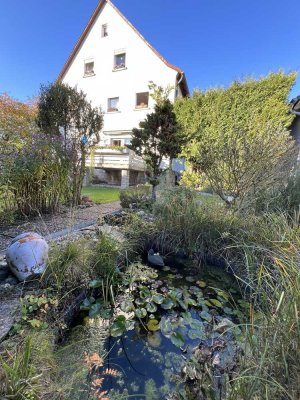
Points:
(113, 64)
(295, 127)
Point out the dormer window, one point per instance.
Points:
(89, 68)
(142, 100)
(120, 61)
(104, 30)
(113, 104)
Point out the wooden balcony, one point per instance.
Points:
(115, 158)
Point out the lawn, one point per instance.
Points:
(101, 195)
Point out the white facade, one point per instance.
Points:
(113, 64)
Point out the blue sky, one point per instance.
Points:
(215, 42)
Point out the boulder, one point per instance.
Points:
(27, 255)
(155, 259)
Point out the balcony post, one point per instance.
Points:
(124, 178)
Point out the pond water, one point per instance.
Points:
(150, 361)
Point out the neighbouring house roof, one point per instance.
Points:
(180, 77)
(295, 104)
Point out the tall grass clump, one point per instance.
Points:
(19, 379)
(271, 362)
(38, 175)
(69, 264)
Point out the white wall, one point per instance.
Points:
(142, 66)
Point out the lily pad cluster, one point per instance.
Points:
(153, 305)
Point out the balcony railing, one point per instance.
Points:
(115, 157)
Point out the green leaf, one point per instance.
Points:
(140, 302)
(151, 307)
(167, 304)
(177, 339)
(95, 310)
(153, 325)
(35, 323)
(141, 312)
(127, 306)
(118, 327)
(206, 316)
(158, 298)
(201, 284)
(216, 303)
(196, 334)
(95, 284)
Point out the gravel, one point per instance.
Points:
(48, 224)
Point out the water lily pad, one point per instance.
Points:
(190, 279)
(158, 298)
(166, 326)
(206, 316)
(130, 324)
(154, 339)
(127, 306)
(196, 334)
(177, 339)
(216, 303)
(167, 304)
(151, 307)
(119, 326)
(141, 312)
(153, 325)
(187, 317)
(140, 302)
(201, 284)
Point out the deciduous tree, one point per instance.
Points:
(66, 112)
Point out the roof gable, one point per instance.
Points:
(181, 76)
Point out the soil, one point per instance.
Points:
(48, 224)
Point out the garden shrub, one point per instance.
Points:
(138, 197)
(37, 175)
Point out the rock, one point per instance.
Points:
(27, 255)
(155, 259)
(11, 281)
(4, 271)
(7, 315)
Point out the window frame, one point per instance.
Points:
(118, 67)
(140, 106)
(104, 30)
(111, 109)
(86, 72)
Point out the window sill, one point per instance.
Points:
(141, 108)
(119, 69)
(89, 75)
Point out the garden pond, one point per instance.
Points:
(175, 334)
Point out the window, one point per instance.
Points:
(120, 61)
(116, 142)
(142, 100)
(89, 68)
(113, 104)
(104, 30)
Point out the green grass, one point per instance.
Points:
(101, 195)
